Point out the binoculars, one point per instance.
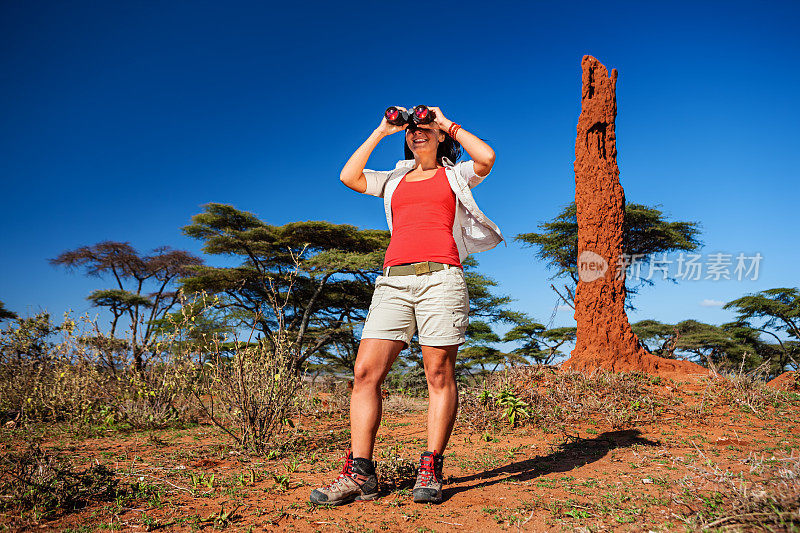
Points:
(419, 115)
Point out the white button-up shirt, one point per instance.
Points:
(472, 230)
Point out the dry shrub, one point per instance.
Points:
(325, 399)
(746, 390)
(64, 375)
(157, 398)
(41, 379)
(36, 480)
(394, 471)
(250, 394)
(250, 389)
(765, 498)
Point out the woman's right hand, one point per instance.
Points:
(386, 129)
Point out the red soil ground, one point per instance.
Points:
(649, 476)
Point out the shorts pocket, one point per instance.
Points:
(377, 297)
(460, 321)
(458, 299)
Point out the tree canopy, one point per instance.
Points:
(5, 314)
(539, 344)
(647, 232)
(728, 347)
(336, 265)
(144, 286)
(775, 313)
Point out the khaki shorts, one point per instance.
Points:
(436, 304)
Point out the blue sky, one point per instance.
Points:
(119, 120)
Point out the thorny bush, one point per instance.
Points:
(251, 394)
(35, 480)
(61, 374)
(249, 389)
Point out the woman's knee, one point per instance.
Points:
(440, 378)
(367, 375)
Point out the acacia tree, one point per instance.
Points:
(145, 287)
(774, 312)
(479, 350)
(707, 342)
(647, 232)
(658, 338)
(539, 343)
(336, 267)
(5, 314)
(725, 346)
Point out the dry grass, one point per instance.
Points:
(550, 399)
(765, 497)
(553, 399)
(398, 404)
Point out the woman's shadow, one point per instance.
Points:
(577, 452)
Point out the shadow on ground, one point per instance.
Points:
(577, 452)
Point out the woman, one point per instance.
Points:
(434, 224)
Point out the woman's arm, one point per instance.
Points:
(481, 153)
(352, 174)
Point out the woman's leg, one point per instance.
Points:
(440, 371)
(375, 358)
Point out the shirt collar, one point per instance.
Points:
(409, 163)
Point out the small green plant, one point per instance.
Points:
(222, 518)
(578, 514)
(201, 478)
(485, 397)
(293, 465)
(515, 409)
(247, 478)
(148, 521)
(281, 481)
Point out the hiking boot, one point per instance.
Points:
(428, 488)
(356, 482)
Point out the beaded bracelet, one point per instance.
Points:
(453, 130)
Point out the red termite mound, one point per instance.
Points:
(604, 337)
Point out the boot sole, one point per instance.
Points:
(345, 501)
(425, 499)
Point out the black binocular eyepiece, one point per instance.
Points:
(421, 114)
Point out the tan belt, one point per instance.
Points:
(417, 268)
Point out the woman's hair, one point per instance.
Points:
(448, 148)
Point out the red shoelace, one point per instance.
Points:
(426, 468)
(347, 469)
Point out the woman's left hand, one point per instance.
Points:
(441, 120)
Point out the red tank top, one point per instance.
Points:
(422, 222)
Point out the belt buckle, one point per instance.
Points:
(422, 268)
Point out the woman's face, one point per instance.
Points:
(424, 139)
